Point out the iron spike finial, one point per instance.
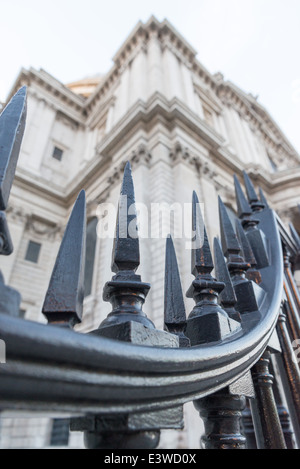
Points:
(244, 209)
(126, 251)
(227, 296)
(12, 126)
(174, 308)
(202, 261)
(256, 205)
(245, 289)
(68, 273)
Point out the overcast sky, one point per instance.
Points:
(254, 43)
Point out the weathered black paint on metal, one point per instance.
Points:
(64, 299)
(12, 125)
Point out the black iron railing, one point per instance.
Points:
(233, 355)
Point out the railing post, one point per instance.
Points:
(266, 421)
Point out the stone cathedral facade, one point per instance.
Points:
(182, 129)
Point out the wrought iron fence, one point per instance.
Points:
(234, 355)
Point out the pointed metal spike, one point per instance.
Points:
(126, 250)
(295, 235)
(227, 296)
(244, 209)
(229, 240)
(174, 311)
(202, 261)
(245, 245)
(251, 193)
(263, 198)
(64, 298)
(12, 125)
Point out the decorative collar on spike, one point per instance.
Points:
(64, 298)
(12, 126)
(255, 203)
